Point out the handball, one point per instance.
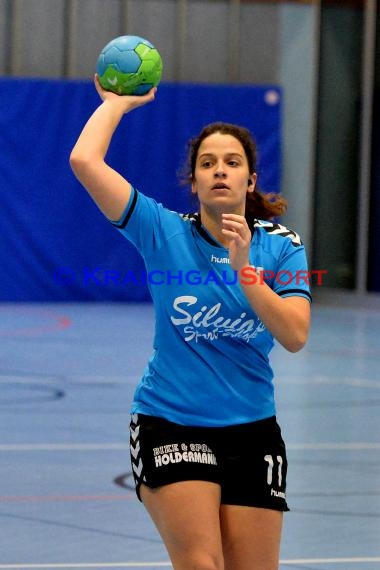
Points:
(129, 65)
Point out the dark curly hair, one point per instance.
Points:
(259, 205)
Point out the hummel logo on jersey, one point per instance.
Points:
(215, 259)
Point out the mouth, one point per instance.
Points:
(220, 186)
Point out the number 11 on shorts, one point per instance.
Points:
(270, 461)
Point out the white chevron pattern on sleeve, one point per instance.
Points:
(279, 230)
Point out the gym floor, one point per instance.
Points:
(67, 374)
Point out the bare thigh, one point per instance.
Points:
(251, 537)
(186, 515)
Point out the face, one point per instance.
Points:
(221, 177)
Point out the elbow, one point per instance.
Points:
(82, 167)
(296, 343)
(295, 346)
(77, 162)
(296, 332)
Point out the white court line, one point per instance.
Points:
(328, 446)
(335, 446)
(317, 561)
(63, 447)
(104, 565)
(337, 381)
(90, 565)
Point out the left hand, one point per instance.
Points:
(236, 228)
(126, 102)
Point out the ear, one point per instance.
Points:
(194, 188)
(252, 182)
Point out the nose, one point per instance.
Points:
(219, 170)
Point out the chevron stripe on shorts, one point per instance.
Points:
(136, 459)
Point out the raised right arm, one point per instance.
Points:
(106, 186)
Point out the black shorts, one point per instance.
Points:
(248, 461)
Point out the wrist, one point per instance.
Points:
(117, 106)
(250, 275)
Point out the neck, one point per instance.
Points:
(212, 221)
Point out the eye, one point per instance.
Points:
(206, 163)
(233, 163)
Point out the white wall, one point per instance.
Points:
(298, 74)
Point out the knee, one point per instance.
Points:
(205, 561)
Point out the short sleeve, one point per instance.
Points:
(146, 223)
(292, 277)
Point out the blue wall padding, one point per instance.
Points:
(48, 221)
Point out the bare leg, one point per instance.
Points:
(186, 515)
(251, 537)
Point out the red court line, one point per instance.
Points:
(51, 321)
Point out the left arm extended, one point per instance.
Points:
(287, 318)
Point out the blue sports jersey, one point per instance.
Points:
(210, 362)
